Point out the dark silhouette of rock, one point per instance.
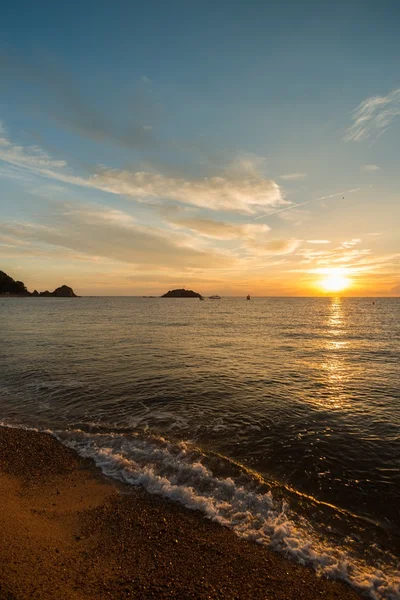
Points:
(9, 287)
(64, 292)
(181, 293)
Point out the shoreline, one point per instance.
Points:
(67, 531)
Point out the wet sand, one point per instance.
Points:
(66, 532)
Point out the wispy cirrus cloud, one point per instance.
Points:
(246, 192)
(292, 176)
(97, 231)
(31, 157)
(373, 116)
(370, 168)
(243, 194)
(356, 259)
(349, 254)
(220, 230)
(253, 238)
(272, 247)
(318, 242)
(26, 161)
(350, 243)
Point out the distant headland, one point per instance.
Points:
(10, 287)
(181, 294)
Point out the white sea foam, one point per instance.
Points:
(178, 471)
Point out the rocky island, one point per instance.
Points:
(10, 287)
(181, 293)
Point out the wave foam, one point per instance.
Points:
(178, 471)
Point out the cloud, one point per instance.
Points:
(31, 157)
(241, 192)
(366, 262)
(246, 194)
(33, 160)
(373, 116)
(370, 168)
(95, 213)
(290, 176)
(219, 229)
(318, 242)
(246, 164)
(351, 243)
(273, 247)
(347, 254)
(100, 232)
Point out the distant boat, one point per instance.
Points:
(248, 297)
(214, 297)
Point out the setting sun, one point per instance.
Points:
(335, 280)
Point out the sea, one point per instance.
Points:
(276, 417)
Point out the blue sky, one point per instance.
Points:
(142, 143)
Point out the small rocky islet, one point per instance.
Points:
(181, 293)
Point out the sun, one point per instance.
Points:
(335, 280)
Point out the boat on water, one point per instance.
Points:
(214, 297)
(248, 297)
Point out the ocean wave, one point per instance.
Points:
(182, 472)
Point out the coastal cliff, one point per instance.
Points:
(10, 287)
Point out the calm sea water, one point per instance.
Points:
(278, 417)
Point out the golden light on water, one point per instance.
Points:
(334, 280)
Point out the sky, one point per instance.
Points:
(225, 147)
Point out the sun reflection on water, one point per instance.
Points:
(334, 365)
(335, 318)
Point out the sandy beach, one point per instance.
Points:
(67, 532)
